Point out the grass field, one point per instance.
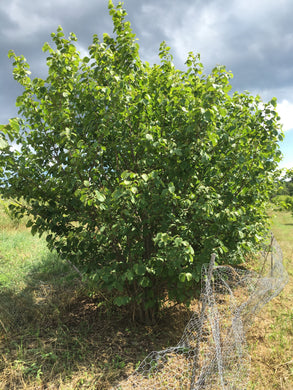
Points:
(271, 338)
(55, 335)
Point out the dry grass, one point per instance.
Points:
(53, 335)
(69, 342)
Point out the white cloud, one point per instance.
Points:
(285, 110)
(197, 29)
(24, 21)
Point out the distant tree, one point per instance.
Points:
(288, 181)
(284, 183)
(134, 172)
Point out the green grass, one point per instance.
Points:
(271, 337)
(37, 289)
(53, 334)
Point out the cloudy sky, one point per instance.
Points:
(252, 38)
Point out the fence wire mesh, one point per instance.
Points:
(212, 353)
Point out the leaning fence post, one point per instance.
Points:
(272, 256)
(195, 365)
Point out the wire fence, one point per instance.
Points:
(213, 353)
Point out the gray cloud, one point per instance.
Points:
(254, 39)
(26, 26)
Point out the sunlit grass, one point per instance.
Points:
(271, 337)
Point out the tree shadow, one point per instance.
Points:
(54, 333)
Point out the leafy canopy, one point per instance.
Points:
(136, 172)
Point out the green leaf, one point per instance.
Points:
(122, 301)
(149, 137)
(14, 124)
(182, 277)
(129, 275)
(171, 188)
(139, 269)
(145, 282)
(125, 175)
(188, 276)
(29, 223)
(101, 197)
(34, 229)
(46, 47)
(185, 276)
(3, 143)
